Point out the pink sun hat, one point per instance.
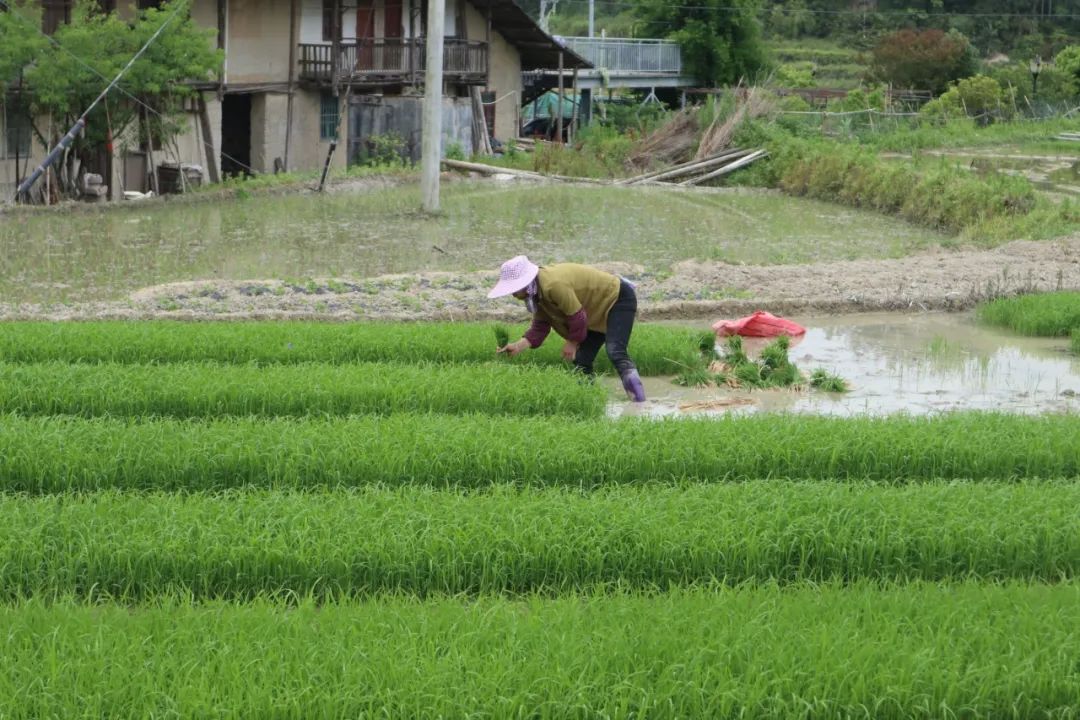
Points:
(515, 274)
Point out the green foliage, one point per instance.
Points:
(22, 43)
(794, 75)
(825, 381)
(454, 151)
(927, 60)
(843, 649)
(1068, 62)
(133, 547)
(1048, 314)
(656, 349)
(1075, 341)
(211, 389)
(772, 369)
(1055, 85)
(720, 39)
(64, 454)
(971, 97)
(63, 86)
(502, 336)
(388, 150)
(931, 192)
(598, 151)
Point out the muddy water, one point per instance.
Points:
(917, 364)
(106, 254)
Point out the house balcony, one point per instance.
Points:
(392, 61)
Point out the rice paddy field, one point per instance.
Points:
(296, 520)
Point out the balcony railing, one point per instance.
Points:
(392, 60)
(629, 55)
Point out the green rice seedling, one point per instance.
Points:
(695, 376)
(502, 336)
(1076, 341)
(1053, 314)
(213, 389)
(825, 381)
(734, 355)
(58, 454)
(920, 650)
(707, 345)
(131, 547)
(656, 349)
(748, 374)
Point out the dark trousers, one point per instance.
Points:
(620, 323)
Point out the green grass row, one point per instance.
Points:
(212, 389)
(930, 192)
(1054, 314)
(656, 349)
(420, 541)
(56, 454)
(916, 651)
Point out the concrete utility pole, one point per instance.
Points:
(431, 142)
(592, 17)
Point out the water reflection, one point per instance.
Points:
(917, 364)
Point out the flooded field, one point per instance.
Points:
(96, 255)
(917, 364)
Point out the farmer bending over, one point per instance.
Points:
(586, 306)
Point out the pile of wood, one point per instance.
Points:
(672, 142)
(695, 172)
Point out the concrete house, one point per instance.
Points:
(293, 67)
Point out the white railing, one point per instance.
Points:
(628, 54)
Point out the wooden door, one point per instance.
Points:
(365, 35)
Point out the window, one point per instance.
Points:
(328, 117)
(328, 20)
(16, 131)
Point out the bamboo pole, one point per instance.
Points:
(685, 168)
(757, 155)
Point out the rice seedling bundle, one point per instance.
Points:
(1053, 314)
(212, 389)
(965, 650)
(421, 541)
(656, 349)
(56, 454)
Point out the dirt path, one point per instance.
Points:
(939, 280)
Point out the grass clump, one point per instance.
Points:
(1055, 314)
(825, 381)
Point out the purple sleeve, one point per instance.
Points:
(578, 325)
(537, 332)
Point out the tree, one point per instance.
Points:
(21, 41)
(926, 60)
(721, 39)
(64, 85)
(1068, 62)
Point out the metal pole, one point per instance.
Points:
(562, 94)
(431, 142)
(592, 17)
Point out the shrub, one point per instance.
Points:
(924, 60)
(971, 97)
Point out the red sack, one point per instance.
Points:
(760, 324)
